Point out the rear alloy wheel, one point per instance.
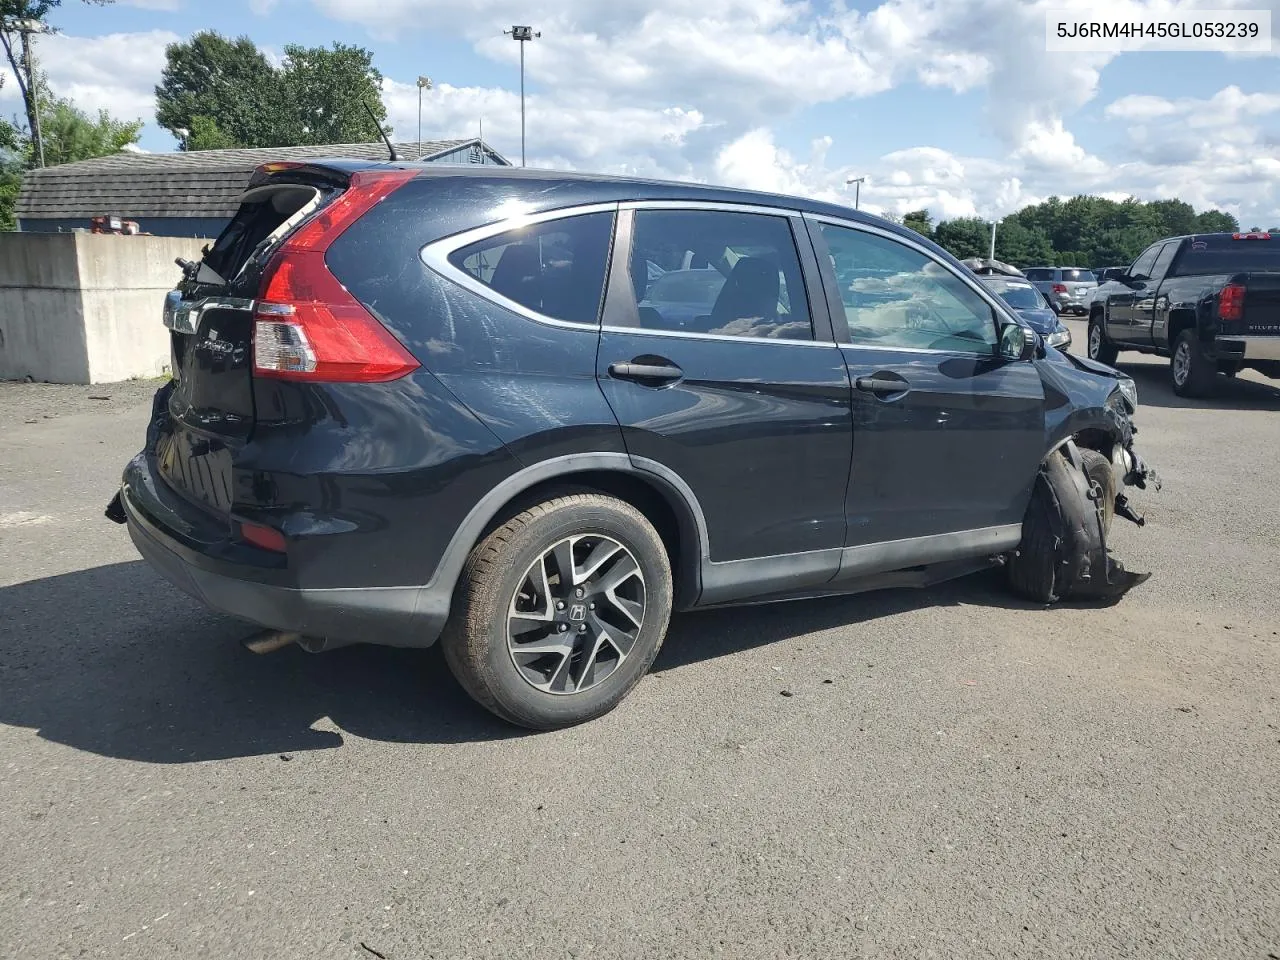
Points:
(1099, 348)
(560, 611)
(1193, 373)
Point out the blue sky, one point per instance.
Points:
(947, 105)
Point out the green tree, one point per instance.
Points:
(920, 222)
(204, 134)
(964, 238)
(11, 165)
(228, 82)
(1022, 246)
(323, 92)
(1215, 221)
(18, 18)
(216, 92)
(70, 134)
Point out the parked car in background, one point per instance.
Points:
(1030, 304)
(1066, 288)
(414, 404)
(1209, 302)
(1103, 274)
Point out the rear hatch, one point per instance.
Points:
(210, 411)
(1079, 283)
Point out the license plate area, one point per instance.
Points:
(197, 467)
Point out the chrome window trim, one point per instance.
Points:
(436, 256)
(183, 316)
(972, 283)
(786, 213)
(725, 207)
(691, 335)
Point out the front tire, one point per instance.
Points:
(560, 611)
(1192, 373)
(1100, 349)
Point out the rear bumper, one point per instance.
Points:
(391, 616)
(1249, 348)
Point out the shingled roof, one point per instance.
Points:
(199, 183)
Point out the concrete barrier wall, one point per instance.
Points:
(83, 308)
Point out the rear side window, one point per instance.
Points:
(1039, 274)
(724, 273)
(556, 268)
(1204, 257)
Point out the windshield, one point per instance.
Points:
(1019, 297)
(1243, 256)
(687, 286)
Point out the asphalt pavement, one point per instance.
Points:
(949, 773)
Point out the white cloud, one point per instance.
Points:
(115, 72)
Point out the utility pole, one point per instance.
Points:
(993, 240)
(25, 28)
(857, 189)
(424, 83)
(523, 35)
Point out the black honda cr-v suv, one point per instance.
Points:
(531, 414)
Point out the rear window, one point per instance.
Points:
(556, 268)
(1020, 296)
(1076, 275)
(1228, 256)
(265, 213)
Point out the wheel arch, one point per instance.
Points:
(653, 489)
(1180, 318)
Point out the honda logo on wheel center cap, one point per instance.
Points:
(578, 612)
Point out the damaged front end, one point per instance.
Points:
(1129, 469)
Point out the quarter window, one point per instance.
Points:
(896, 296)
(718, 272)
(556, 268)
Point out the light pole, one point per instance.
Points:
(424, 83)
(25, 29)
(857, 189)
(523, 35)
(993, 240)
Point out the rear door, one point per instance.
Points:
(733, 385)
(1121, 308)
(947, 435)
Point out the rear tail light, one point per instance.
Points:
(1251, 236)
(1231, 302)
(307, 325)
(268, 538)
(1059, 288)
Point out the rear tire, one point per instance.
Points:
(543, 631)
(1191, 372)
(1100, 348)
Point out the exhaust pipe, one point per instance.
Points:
(269, 641)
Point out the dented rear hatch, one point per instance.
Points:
(210, 407)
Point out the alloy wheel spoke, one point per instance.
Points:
(555, 643)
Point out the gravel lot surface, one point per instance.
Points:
(948, 773)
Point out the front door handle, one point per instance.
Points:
(881, 385)
(653, 372)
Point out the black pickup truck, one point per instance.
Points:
(1209, 302)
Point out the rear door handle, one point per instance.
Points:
(881, 385)
(663, 372)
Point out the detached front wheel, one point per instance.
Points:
(560, 611)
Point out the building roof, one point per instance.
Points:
(198, 183)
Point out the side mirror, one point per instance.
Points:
(1018, 342)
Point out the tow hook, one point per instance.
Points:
(1125, 509)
